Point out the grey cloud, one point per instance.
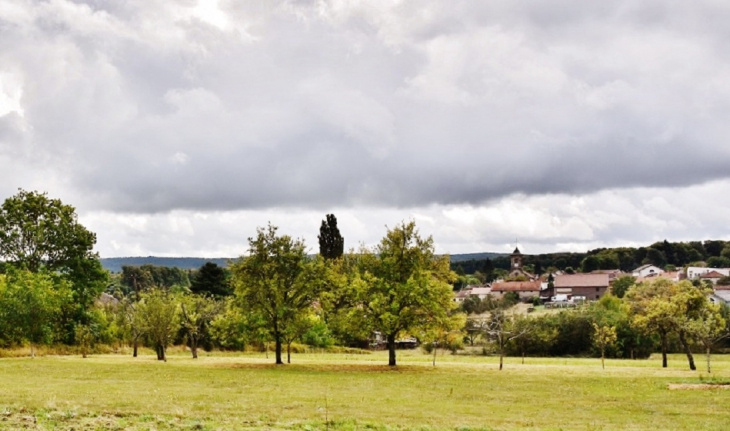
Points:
(143, 108)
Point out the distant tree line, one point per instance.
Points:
(664, 254)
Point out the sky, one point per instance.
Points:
(177, 127)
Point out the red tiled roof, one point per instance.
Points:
(712, 274)
(516, 286)
(581, 280)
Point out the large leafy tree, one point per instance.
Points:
(36, 231)
(331, 243)
(39, 233)
(405, 287)
(277, 283)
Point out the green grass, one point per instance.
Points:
(346, 391)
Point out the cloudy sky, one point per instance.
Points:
(176, 127)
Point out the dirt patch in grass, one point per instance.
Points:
(697, 386)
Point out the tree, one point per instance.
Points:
(196, 313)
(652, 312)
(30, 305)
(130, 319)
(445, 331)
(331, 243)
(211, 279)
(277, 282)
(37, 233)
(501, 328)
(404, 286)
(709, 328)
(621, 285)
(663, 306)
(603, 336)
(160, 319)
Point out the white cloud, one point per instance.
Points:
(563, 125)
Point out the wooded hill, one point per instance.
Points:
(715, 253)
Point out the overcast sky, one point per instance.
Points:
(176, 127)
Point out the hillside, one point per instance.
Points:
(114, 264)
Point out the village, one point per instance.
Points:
(562, 289)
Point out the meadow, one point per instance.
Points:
(358, 391)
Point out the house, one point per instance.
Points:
(525, 289)
(712, 276)
(480, 291)
(647, 271)
(696, 271)
(590, 286)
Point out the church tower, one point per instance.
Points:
(516, 259)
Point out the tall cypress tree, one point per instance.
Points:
(331, 243)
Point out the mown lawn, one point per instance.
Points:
(320, 391)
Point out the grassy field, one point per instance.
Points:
(325, 391)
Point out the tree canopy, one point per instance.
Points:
(276, 282)
(331, 243)
(405, 286)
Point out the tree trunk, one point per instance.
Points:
(134, 348)
(194, 347)
(32, 352)
(687, 351)
(603, 355)
(391, 350)
(708, 361)
(664, 349)
(501, 358)
(434, 354)
(523, 356)
(288, 353)
(277, 342)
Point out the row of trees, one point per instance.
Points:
(276, 292)
(657, 316)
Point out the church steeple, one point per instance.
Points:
(516, 259)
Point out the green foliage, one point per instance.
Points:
(196, 314)
(331, 243)
(621, 285)
(318, 334)
(277, 282)
(718, 262)
(603, 337)
(231, 329)
(38, 233)
(159, 319)
(146, 277)
(31, 306)
(212, 280)
(404, 287)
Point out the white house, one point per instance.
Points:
(695, 271)
(647, 271)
